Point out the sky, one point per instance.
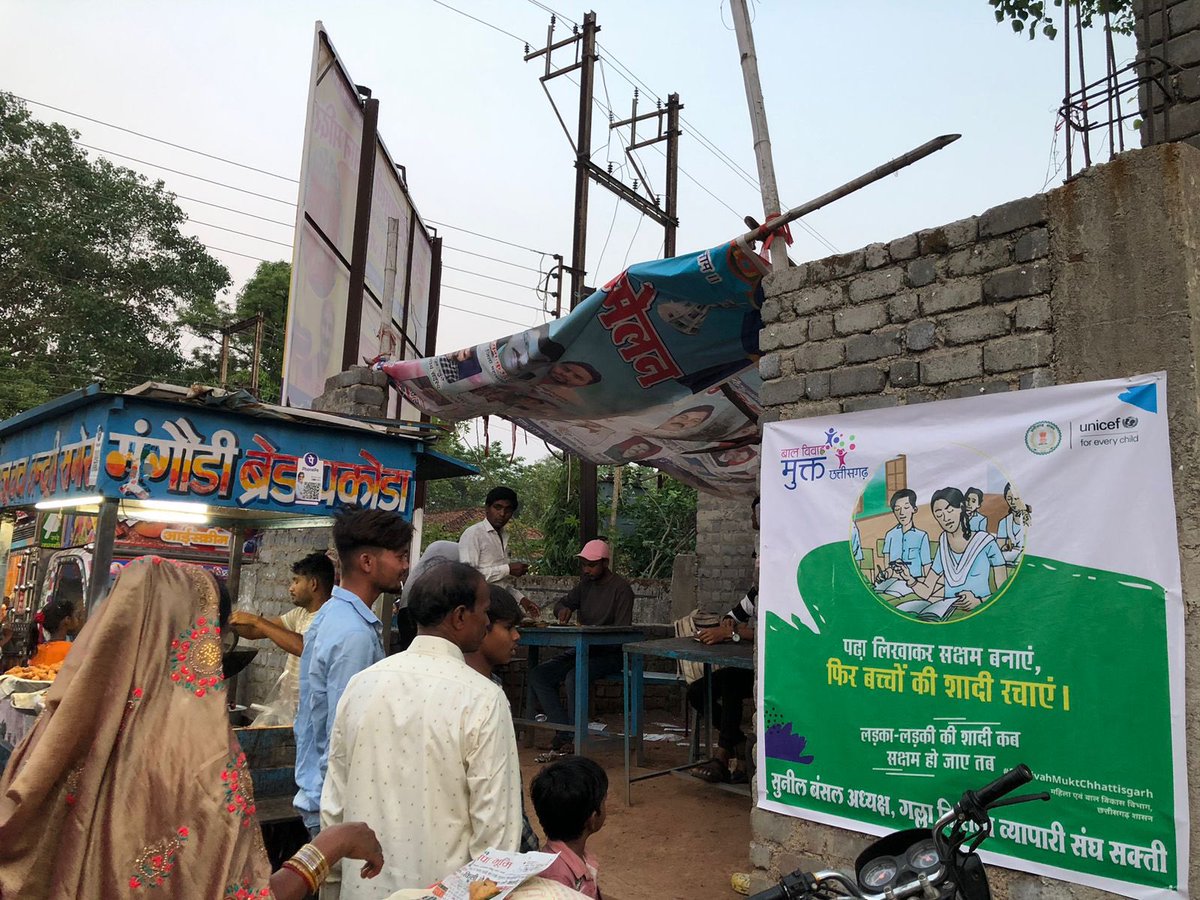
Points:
(846, 86)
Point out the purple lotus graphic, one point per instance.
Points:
(781, 744)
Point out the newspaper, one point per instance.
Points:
(507, 870)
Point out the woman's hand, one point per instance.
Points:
(351, 840)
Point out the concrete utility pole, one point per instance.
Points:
(758, 124)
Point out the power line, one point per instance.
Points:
(488, 237)
(452, 287)
(485, 315)
(481, 22)
(242, 233)
(161, 140)
(184, 174)
(488, 277)
(492, 258)
(264, 196)
(240, 212)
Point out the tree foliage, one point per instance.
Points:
(94, 269)
(660, 523)
(1034, 16)
(653, 523)
(267, 292)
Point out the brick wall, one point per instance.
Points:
(1179, 20)
(651, 596)
(725, 546)
(953, 311)
(1098, 279)
(263, 590)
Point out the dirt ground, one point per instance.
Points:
(681, 838)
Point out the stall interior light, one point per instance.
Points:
(171, 506)
(68, 502)
(158, 515)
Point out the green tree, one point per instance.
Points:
(94, 270)
(1034, 16)
(265, 292)
(660, 523)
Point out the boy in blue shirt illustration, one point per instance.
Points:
(905, 543)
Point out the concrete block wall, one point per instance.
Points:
(1098, 279)
(651, 596)
(953, 311)
(725, 547)
(264, 590)
(1178, 21)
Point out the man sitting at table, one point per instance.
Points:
(602, 597)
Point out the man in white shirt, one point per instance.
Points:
(484, 545)
(312, 583)
(423, 746)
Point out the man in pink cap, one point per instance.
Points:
(602, 597)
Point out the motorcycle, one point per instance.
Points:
(930, 863)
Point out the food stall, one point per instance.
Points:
(204, 469)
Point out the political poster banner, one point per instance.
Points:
(951, 589)
(658, 367)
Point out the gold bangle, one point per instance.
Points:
(310, 863)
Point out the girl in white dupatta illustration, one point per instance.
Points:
(966, 562)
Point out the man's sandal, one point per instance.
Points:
(712, 770)
(552, 755)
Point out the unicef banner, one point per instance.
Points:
(657, 368)
(954, 588)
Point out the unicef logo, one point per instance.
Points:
(1043, 437)
(1129, 422)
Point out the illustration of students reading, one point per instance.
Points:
(1011, 533)
(974, 499)
(905, 548)
(965, 565)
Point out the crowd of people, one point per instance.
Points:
(406, 765)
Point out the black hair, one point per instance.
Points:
(53, 615)
(316, 565)
(441, 590)
(954, 497)
(587, 367)
(500, 492)
(904, 494)
(357, 529)
(976, 491)
(1007, 488)
(503, 607)
(566, 794)
(756, 501)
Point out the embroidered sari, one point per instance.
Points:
(131, 782)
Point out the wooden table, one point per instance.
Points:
(738, 655)
(581, 638)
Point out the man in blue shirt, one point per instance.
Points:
(344, 639)
(905, 543)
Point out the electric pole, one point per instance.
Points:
(584, 43)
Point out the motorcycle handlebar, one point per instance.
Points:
(1005, 784)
